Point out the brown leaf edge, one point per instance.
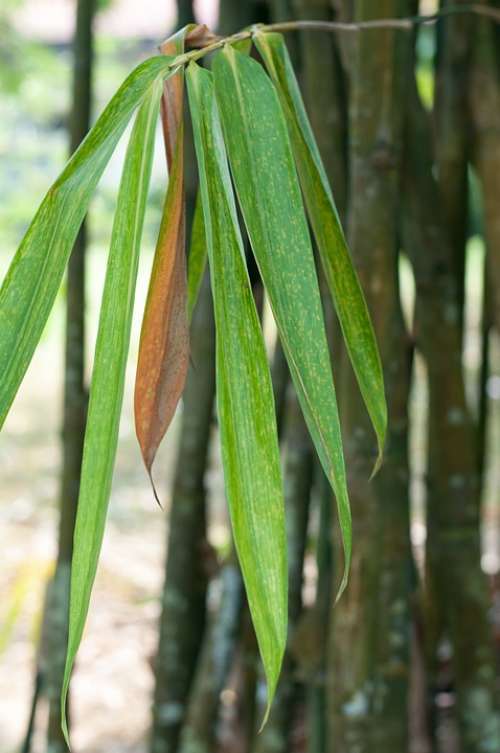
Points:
(164, 343)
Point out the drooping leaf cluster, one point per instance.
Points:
(255, 150)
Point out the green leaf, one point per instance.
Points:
(106, 391)
(30, 286)
(340, 273)
(245, 402)
(197, 259)
(266, 183)
(198, 249)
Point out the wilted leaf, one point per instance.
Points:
(266, 183)
(106, 391)
(31, 284)
(340, 273)
(164, 344)
(245, 401)
(199, 35)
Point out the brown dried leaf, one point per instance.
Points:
(164, 344)
(200, 36)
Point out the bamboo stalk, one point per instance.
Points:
(185, 12)
(183, 599)
(316, 686)
(457, 598)
(280, 377)
(484, 373)
(450, 111)
(199, 730)
(370, 635)
(484, 107)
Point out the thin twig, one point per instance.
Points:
(402, 24)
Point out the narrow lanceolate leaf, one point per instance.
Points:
(197, 250)
(340, 273)
(164, 344)
(244, 394)
(31, 284)
(197, 259)
(106, 390)
(266, 182)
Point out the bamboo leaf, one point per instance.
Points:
(266, 183)
(197, 250)
(340, 273)
(34, 276)
(164, 345)
(197, 259)
(245, 401)
(106, 391)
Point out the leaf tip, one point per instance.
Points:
(380, 457)
(64, 696)
(343, 585)
(266, 715)
(156, 496)
(272, 683)
(272, 665)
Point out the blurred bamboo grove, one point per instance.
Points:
(408, 124)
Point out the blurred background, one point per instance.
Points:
(420, 625)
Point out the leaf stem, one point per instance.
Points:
(403, 24)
